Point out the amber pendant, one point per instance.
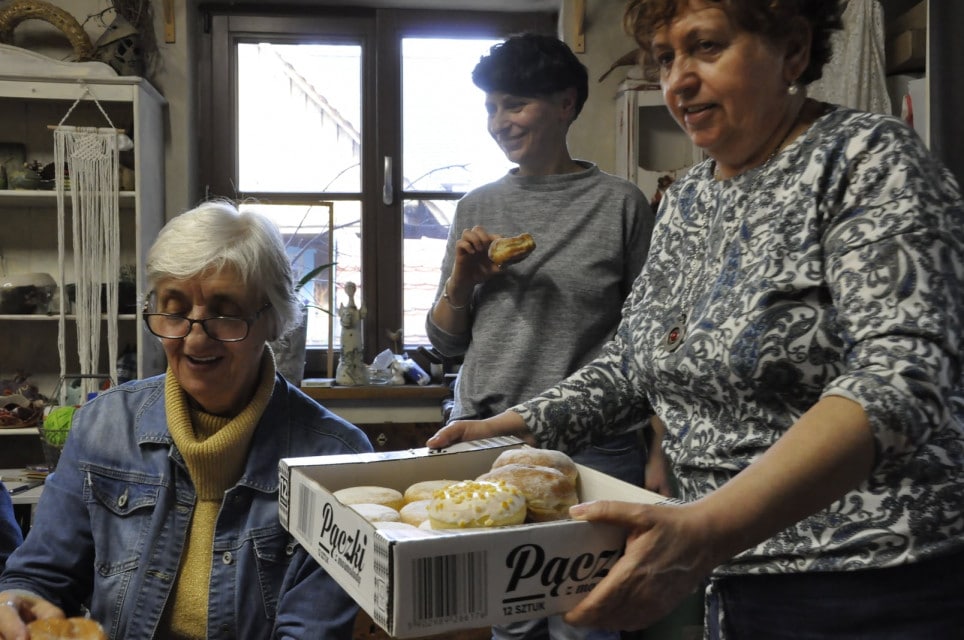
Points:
(675, 334)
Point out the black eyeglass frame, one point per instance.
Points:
(248, 321)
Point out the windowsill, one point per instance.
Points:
(380, 392)
(379, 404)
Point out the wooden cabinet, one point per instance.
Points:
(938, 98)
(649, 143)
(36, 92)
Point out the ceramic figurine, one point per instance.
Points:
(352, 370)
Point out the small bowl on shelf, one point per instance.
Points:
(26, 293)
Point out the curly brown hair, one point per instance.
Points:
(773, 19)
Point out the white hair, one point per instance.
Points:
(214, 235)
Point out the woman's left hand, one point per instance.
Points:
(668, 554)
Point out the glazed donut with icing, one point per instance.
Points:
(472, 504)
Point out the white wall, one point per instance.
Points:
(593, 135)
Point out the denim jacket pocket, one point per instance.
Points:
(121, 508)
(273, 549)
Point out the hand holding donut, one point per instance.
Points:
(18, 608)
(479, 255)
(472, 265)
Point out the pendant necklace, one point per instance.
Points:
(675, 334)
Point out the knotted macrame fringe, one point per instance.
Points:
(91, 158)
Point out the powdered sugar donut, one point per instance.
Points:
(425, 489)
(415, 513)
(376, 512)
(548, 492)
(540, 458)
(371, 495)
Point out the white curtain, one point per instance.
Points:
(855, 76)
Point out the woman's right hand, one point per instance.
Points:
(472, 264)
(506, 423)
(17, 608)
(470, 268)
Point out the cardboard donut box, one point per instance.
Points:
(422, 583)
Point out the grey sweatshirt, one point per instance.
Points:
(541, 319)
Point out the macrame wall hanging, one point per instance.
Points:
(90, 158)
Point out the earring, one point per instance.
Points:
(793, 89)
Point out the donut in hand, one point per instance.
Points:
(66, 629)
(505, 251)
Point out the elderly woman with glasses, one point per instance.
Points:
(162, 517)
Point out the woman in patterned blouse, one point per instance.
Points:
(798, 330)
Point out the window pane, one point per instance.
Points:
(424, 248)
(446, 144)
(308, 238)
(299, 117)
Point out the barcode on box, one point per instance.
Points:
(306, 512)
(449, 586)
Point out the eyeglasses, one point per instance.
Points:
(222, 328)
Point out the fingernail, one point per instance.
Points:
(577, 510)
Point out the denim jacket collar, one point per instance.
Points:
(261, 471)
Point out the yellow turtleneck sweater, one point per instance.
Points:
(214, 449)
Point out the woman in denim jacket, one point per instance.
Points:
(162, 517)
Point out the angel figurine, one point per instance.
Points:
(351, 370)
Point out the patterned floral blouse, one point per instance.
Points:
(836, 268)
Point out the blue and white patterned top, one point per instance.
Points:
(837, 268)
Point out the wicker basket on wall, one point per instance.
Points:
(17, 11)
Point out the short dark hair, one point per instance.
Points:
(775, 19)
(532, 65)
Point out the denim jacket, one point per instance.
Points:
(110, 527)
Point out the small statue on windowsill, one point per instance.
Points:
(352, 370)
